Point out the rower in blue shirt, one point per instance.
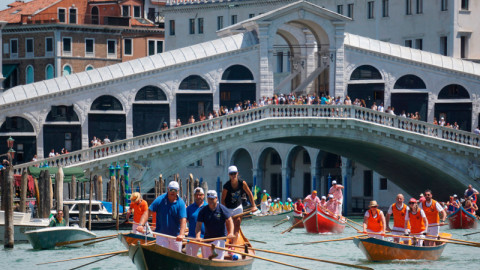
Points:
(192, 214)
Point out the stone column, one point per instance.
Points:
(337, 68)
(265, 85)
(285, 183)
(310, 60)
(375, 186)
(129, 118)
(315, 178)
(347, 173)
(2, 24)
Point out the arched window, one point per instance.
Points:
(150, 92)
(409, 82)
(194, 82)
(49, 72)
(16, 124)
(62, 114)
(67, 70)
(95, 15)
(89, 67)
(106, 103)
(453, 91)
(237, 73)
(366, 72)
(29, 75)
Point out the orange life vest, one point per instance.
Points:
(375, 224)
(399, 216)
(416, 222)
(431, 212)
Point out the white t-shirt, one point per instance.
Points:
(421, 214)
(367, 213)
(390, 211)
(437, 205)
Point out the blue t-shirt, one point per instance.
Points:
(168, 214)
(192, 214)
(214, 221)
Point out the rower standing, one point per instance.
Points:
(418, 221)
(172, 218)
(432, 210)
(374, 221)
(192, 215)
(471, 192)
(218, 223)
(264, 205)
(399, 212)
(336, 191)
(139, 206)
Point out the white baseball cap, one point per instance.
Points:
(334, 182)
(173, 185)
(198, 189)
(289, 199)
(324, 198)
(211, 194)
(330, 195)
(232, 169)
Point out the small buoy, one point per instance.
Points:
(235, 257)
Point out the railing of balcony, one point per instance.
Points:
(253, 115)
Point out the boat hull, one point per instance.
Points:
(275, 217)
(48, 237)
(320, 222)
(381, 250)
(129, 239)
(461, 219)
(296, 220)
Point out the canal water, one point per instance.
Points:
(453, 257)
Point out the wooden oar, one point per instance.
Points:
(256, 241)
(426, 239)
(282, 221)
(98, 241)
(325, 241)
(471, 233)
(93, 262)
(303, 257)
(245, 254)
(86, 257)
(60, 244)
(458, 240)
(347, 219)
(291, 228)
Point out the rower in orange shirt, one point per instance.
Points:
(399, 211)
(374, 221)
(139, 206)
(418, 221)
(433, 210)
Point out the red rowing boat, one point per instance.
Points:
(319, 221)
(296, 221)
(461, 219)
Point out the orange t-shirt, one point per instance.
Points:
(399, 216)
(375, 224)
(138, 210)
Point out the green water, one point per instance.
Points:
(453, 257)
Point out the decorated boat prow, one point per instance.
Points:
(461, 219)
(319, 221)
(131, 238)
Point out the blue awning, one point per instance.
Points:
(7, 69)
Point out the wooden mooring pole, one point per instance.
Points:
(23, 192)
(8, 193)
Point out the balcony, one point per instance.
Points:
(82, 19)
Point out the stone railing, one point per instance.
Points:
(253, 115)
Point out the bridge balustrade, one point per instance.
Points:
(266, 112)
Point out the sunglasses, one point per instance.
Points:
(411, 203)
(232, 173)
(171, 190)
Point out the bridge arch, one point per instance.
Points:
(107, 118)
(367, 83)
(24, 134)
(299, 175)
(270, 167)
(243, 160)
(410, 95)
(237, 85)
(193, 98)
(458, 112)
(150, 100)
(62, 129)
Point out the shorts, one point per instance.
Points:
(207, 251)
(169, 243)
(433, 231)
(236, 211)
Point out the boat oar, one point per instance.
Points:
(458, 240)
(245, 254)
(303, 257)
(282, 221)
(291, 227)
(325, 241)
(471, 233)
(426, 239)
(86, 257)
(93, 262)
(98, 241)
(256, 241)
(60, 244)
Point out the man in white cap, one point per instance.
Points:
(336, 191)
(232, 193)
(264, 202)
(171, 218)
(323, 202)
(331, 204)
(139, 206)
(192, 215)
(218, 223)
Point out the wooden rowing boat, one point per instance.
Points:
(296, 221)
(319, 221)
(272, 217)
(381, 250)
(154, 257)
(48, 237)
(461, 219)
(129, 239)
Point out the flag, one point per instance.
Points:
(255, 191)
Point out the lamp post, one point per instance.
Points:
(11, 152)
(128, 192)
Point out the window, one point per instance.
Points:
(89, 47)
(49, 72)
(383, 184)
(219, 159)
(409, 43)
(172, 27)
(126, 11)
(443, 46)
(29, 47)
(13, 48)
(463, 46)
(155, 46)
(350, 11)
(200, 25)
(137, 12)
(61, 15)
(251, 15)
(340, 9)
(419, 6)
(127, 46)
(408, 7)
(279, 62)
(371, 10)
(444, 5)
(29, 75)
(73, 16)
(191, 26)
(219, 22)
(234, 19)
(419, 43)
(48, 46)
(367, 183)
(67, 70)
(111, 48)
(89, 67)
(385, 8)
(67, 46)
(464, 5)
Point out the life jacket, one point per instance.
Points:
(416, 222)
(375, 224)
(474, 198)
(399, 216)
(431, 212)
